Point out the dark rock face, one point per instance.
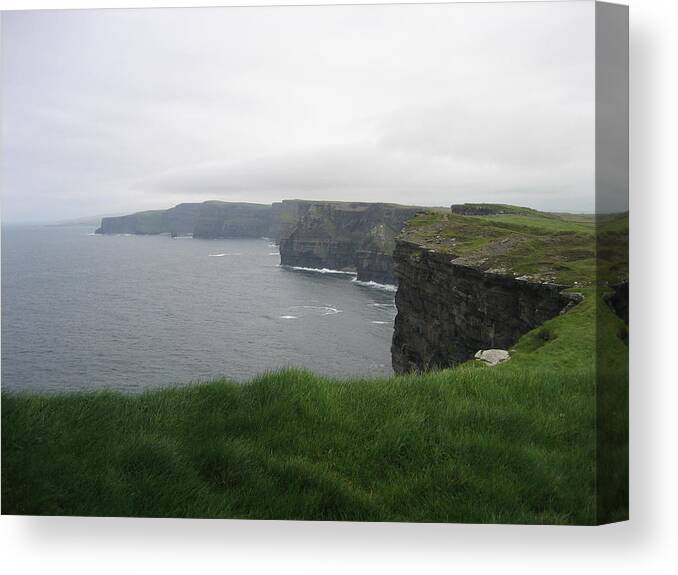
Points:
(447, 312)
(181, 219)
(344, 236)
(619, 300)
(376, 266)
(318, 253)
(149, 222)
(286, 216)
(204, 220)
(233, 220)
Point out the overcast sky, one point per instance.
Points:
(112, 111)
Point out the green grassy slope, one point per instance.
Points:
(514, 443)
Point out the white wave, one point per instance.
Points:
(382, 322)
(319, 270)
(188, 237)
(385, 287)
(384, 305)
(288, 317)
(325, 309)
(272, 245)
(221, 255)
(274, 254)
(93, 234)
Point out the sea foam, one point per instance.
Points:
(371, 284)
(319, 270)
(324, 309)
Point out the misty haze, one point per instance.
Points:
(115, 111)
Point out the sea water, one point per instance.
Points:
(82, 311)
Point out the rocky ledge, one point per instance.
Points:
(448, 311)
(480, 276)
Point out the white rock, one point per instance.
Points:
(492, 356)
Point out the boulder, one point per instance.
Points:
(492, 356)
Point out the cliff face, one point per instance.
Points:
(447, 312)
(233, 220)
(344, 236)
(619, 300)
(179, 219)
(206, 220)
(375, 265)
(285, 217)
(358, 237)
(482, 275)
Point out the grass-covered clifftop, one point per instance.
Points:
(522, 242)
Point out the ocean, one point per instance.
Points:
(82, 311)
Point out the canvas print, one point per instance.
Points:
(358, 263)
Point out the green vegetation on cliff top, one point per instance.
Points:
(521, 242)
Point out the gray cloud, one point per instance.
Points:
(119, 110)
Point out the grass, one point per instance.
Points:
(514, 444)
(541, 246)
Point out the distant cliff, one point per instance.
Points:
(233, 220)
(204, 220)
(355, 236)
(180, 219)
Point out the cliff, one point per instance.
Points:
(480, 278)
(355, 236)
(285, 216)
(180, 219)
(448, 311)
(206, 220)
(233, 220)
